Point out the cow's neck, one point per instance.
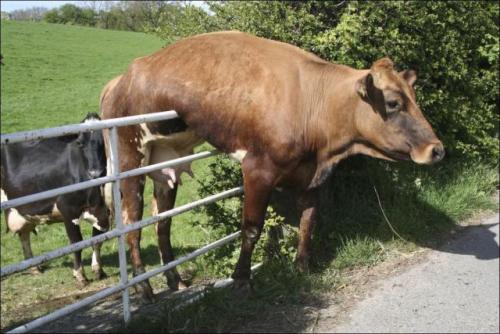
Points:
(331, 127)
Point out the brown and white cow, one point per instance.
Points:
(287, 114)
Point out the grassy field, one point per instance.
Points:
(53, 75)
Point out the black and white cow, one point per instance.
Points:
(40, 165)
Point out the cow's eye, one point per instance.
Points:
(393, 105)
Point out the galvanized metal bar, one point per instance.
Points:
(169, 163)
(17, 267)
(109, 291)
(83, 127)
(102, 180)
(55, 192)
(122, 255)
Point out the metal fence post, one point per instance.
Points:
(117, 201)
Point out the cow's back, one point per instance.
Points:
(33, 167)
(214, 79)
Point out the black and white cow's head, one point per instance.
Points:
(91, 145)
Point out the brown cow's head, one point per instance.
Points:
(389, 118)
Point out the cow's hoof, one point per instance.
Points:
(36, 270)
(242, 288)
(178, 285)
(181, 285)
(174, 281)
(144, 290)
(80, 277)
(99, 274)
(82, 282)
(302, 265)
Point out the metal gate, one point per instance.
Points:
(120, 229)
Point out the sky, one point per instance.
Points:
(9, 6)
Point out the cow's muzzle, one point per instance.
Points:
(428, 154)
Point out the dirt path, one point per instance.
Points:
(456, 289)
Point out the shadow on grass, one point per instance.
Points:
(349, 208)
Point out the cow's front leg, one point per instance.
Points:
(132, 204)
(307, 203)
(164, 199)
(258, 182)
(75, 235)
(102, 214)
(96, 257)
(24, 236)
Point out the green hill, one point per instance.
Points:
(53, 74)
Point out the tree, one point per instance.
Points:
(30, 14)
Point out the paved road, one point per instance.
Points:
(456, 290)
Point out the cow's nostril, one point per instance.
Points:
(437, 153)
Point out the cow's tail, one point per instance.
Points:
(107, 103)
(107, 90)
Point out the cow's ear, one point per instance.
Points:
(363, 85)
(410, 76)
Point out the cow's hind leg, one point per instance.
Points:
(132, 204)
(24, 236)
(258, 182)
(75, 235)
(307, 204)
(164, 199)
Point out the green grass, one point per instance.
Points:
(53, 75)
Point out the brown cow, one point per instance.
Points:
(288, 115)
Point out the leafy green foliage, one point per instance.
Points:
(181, 20)
(71, 14)
(294, 22)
